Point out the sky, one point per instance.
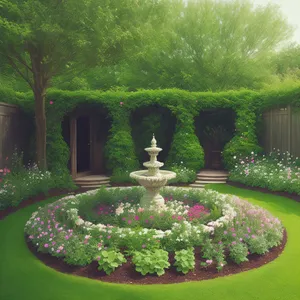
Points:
(291, 9)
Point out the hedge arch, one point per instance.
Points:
(151, 119)
(184, 105)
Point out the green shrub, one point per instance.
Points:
(238, 252)
(185, 260)
(109, 260)
(183, 174)
(151, 262)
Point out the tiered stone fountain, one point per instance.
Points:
(153, 178)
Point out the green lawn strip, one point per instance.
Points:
(22, 276)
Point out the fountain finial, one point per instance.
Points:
(153, 142)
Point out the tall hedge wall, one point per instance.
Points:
(184, 105)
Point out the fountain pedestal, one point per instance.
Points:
(153, 178)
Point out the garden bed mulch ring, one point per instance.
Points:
(127, 274)
(264, 190)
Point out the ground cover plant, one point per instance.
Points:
(79, 228)
(277, 171)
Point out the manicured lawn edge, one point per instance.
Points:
(22, 276)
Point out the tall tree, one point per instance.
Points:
(211, 45)
(44, 38)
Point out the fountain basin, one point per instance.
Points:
(158, 180)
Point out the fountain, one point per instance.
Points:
(153, 178)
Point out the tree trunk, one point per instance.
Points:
(40, 121)
(39, 89)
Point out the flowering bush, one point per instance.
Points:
(276, 171)
(64, 229)
(183, 174)
(16, 186)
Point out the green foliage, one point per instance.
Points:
(238, 252)
(276, 171)
(185, 260)
(79, 253)
(257, 244)
(213, 252)
(183, 174)
(152, 262)
(120, 149)
(185, 149)
(110, 260)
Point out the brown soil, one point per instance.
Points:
(127, 274)
(264, 190)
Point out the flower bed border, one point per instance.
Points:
(171, 275)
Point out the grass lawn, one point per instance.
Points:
(24, 277)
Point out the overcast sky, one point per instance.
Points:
(291, 9)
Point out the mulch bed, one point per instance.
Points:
(264, 190)
(127, 274)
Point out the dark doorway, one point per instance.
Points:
(148, 120)
(215, 128)
(92, 130)
(83, 144)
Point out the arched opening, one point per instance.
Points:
(148, 120)
(86, 131)
(215, 128)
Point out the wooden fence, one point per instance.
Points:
(282, 130)
(14, 133)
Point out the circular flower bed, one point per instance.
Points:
(109, 227)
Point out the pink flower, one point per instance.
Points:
(146, 221)
(151, 217)
(140, 209)
(98, 258)
(129, 221)
(46, 245)
(136, 218)
(234, 235)
(51, 102)
(209, 261)
(121, 103)
(109, 237)
(143, 246)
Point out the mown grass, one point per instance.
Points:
(22, 276)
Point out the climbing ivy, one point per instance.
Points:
(185, 106)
